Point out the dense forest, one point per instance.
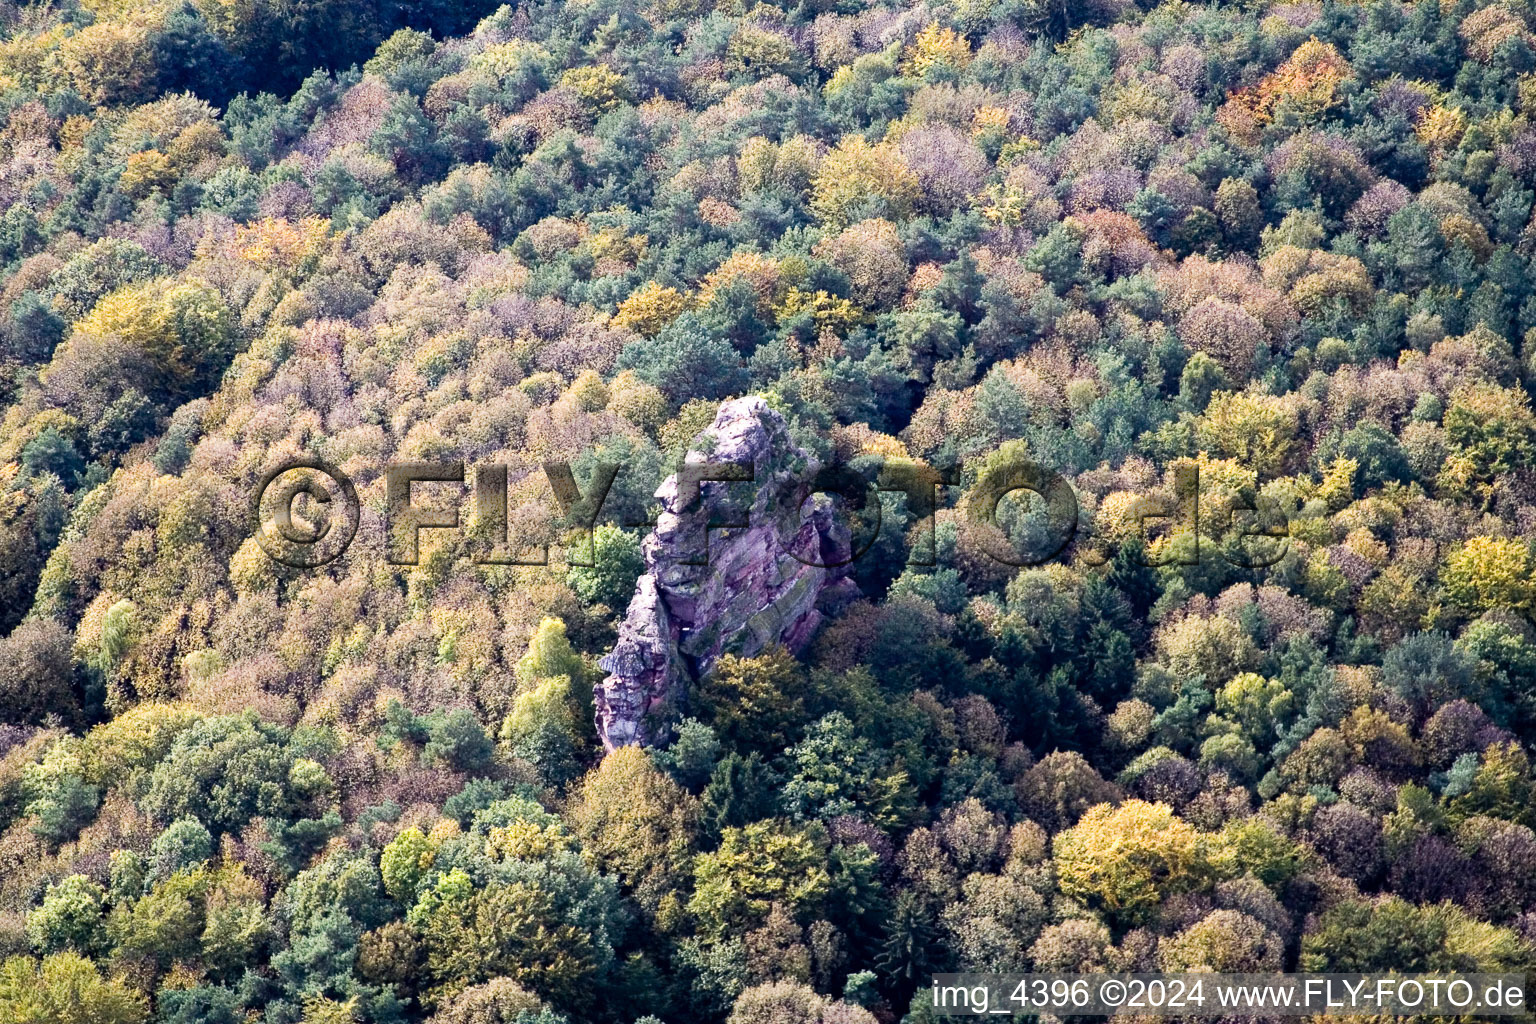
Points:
(1284, 248)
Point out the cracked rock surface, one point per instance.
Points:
(733, 565)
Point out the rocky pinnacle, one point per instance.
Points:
(739, 560)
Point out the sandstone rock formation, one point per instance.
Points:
(733, 566)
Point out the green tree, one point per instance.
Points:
(741, 790)
(237, 931)
(1502, 787)
(1491, 431)
(549, 654)
(166, 924)
(686, 360)
(550, 728)
(616, 563)
(404, 863)
(57, 795)
(184, 845)
(71, 917)
(475, 933)
(458, 741)
(226, 771)
(755, 866)
(754, 703)
(1394, 935)
(835, 772)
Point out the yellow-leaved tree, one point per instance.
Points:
(935, 45)
(1124, 861)
(635, 821)
(859, 177)
(1490, 572)
(183, 329)
(649, 308)
(65, 988)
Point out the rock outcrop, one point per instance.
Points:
(738, 561)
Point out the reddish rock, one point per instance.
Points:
(733, 567)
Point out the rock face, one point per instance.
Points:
(738, 561)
